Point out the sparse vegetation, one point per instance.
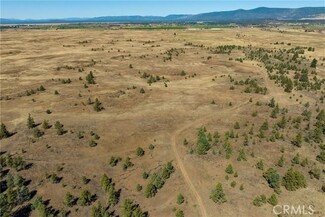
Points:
(249, 115)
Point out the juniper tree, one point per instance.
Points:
(273, 200)
(233, 184)
(298, 140)
(313, 63)
(167, 170)
(59, 128)
(151, 190)
(46, 124)
(100, 211)
(296, 159)
(23, 194)
(151, 146)
(90, 78)
(85, 180)
(140, 152)
(245, 143)
(272, 103)
(280, 161)
(229, 169)
(157, 180)
(112, 196)
(236, 126)
(130, 208)
(138, 187)
(259, 200)
(294, 180)
(92, 143)
(68, 199)
(321, 157)
(217, 195)
(4, 133)
(41, 88)
(273, 178)
(30, 122)
(98, 105)
(242, 155)
(127, 163)
(260, 165)
(85, 198)
(180, 199)
(179, 213)
(145, 175)
(114, 161)
(105, 182)
(315, 173)
(202, 144)
(37, 133)
(288, 86)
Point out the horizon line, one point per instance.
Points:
(137, 15)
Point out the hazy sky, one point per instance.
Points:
(75, 8)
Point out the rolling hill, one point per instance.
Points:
(261, 14)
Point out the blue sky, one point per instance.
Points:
(42, 9)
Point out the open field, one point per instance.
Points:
(179, 90)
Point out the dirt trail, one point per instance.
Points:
(180, 164)
(274, 91)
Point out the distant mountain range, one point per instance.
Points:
(259, 15)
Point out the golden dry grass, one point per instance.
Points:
(163, 116)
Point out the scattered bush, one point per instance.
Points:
(139, 187)
(229, 169)
(114, 161)
(92, 143)
(179, 213)
(315, 173)
(259, 200)
(84, 180)
(180, 199)
(127, 163)
(145, 175)
(151, 146)
(236, 126)
(140, 152)
(273, 200)
(260, 165)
